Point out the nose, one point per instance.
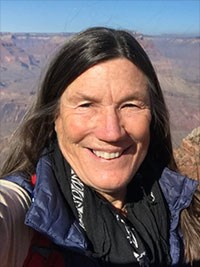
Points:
(109, 126)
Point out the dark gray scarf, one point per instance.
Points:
(138, 239)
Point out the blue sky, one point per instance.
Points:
(146, 16)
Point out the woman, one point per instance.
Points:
(98, 142)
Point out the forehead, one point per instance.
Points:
(119, 76)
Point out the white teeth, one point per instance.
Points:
(106, 155)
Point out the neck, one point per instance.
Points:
(117, 199)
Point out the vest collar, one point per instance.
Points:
(49, 213)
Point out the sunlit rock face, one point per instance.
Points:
(188, 155)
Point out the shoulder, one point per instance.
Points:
(11, 193)
(14, 203)
(178, 189)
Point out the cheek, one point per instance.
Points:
(139, 128)
(70, 129)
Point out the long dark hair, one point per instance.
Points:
(79, 53)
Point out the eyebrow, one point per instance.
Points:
(136, 96)
(82, 95)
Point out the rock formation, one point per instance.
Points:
(188, 155)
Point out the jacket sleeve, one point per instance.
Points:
(15, 236)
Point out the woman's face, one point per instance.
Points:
(103, 125)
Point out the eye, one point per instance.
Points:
(130, 105)
(85, 105)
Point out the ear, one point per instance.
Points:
(57, 124)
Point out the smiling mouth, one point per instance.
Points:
(107, 155)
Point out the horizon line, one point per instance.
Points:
(195, 35)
